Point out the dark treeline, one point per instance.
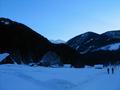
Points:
(99, 57)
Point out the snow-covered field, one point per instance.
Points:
(22, 77)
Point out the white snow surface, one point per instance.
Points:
(111, 47)
(22, 77)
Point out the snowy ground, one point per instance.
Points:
(22, 77)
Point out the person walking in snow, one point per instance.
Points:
(108, 70)
(112, 70)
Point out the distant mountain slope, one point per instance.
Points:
(57, 41)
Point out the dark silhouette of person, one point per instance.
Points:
(108, 70)
(112, 70)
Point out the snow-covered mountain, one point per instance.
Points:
(96, 48)
(57, 41)
(89, 41)
(82, 43)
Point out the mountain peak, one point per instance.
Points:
(89, 33)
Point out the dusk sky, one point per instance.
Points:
(64, 19)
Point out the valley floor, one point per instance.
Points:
(22, 77)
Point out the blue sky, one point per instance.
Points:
(64, 19)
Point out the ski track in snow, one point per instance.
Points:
(93, 77)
